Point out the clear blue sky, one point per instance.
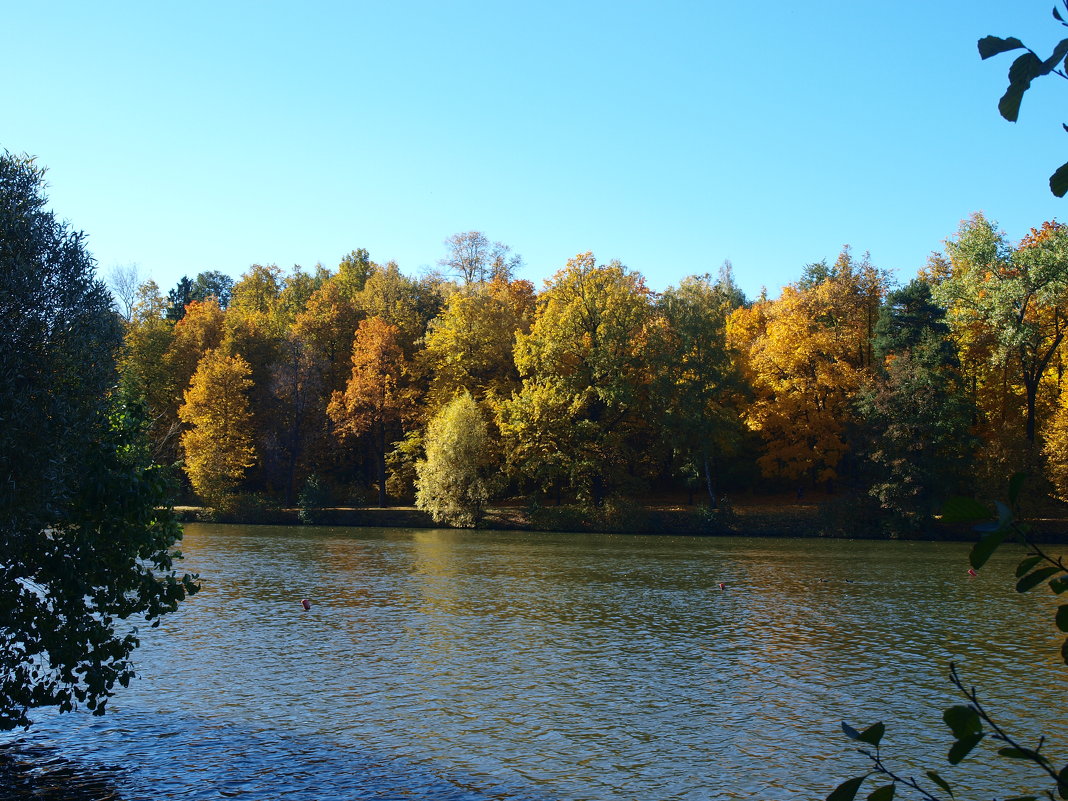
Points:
(670, 135)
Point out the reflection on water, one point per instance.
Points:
(440, 664)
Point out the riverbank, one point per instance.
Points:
(748, 515)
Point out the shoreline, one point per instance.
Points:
(764, 516)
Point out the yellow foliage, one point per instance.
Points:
(218, 446)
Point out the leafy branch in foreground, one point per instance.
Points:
(1023, 71)
(971, 723)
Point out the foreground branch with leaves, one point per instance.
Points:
(973, 722)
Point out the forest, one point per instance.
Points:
(468, 386)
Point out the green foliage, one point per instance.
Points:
(916, 416)
(453, 482)
(972, 723)
(1023, 71)
(314, 495)
(85, 536)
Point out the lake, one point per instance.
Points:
(479, 665)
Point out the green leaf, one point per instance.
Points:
(986, 546)
(1034, 579)
(1059, 584)
(884, 793)
(1064, 651)
(1058, 182)
(1016, 753)
(1025, 565)
(873, 734)
(1058, 53)
(939, 781)
(963, 721)
(963, 747)
(1025, 69)
(964, 510)
(992, 45)
(850, 732)
(1062, 617)
(1009, 105)
(847, 790)
(1062, 782)
(1015, 485)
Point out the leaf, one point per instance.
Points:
(1009, 106)
(850, 732)
(1058, 53)
(1016, 753)
(992, 45)
(1058, 182)
(986, 546)
(873, 734)
(1062, 782)
(939, 781)
(1036, 578)
(1057, 15)
(884, 793)
(962, 720)
(1025, 565)
(1064, 651)
(1015, 485)
(964, 510)
(963, 747)
(847, 790)
(1023, 70)
(1059, 584)
(1062, 617)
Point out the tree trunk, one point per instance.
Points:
(708, 481)
(383, 501)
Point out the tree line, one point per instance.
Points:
(364, 385)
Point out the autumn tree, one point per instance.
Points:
(376, 399)
(805, 356)
(476, 260)
(579, 418)
(147, 337)
(1007, 307)
(219, 445)
(469, 346)
(697, 387)
(453, 481)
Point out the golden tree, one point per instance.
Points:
(219, 446)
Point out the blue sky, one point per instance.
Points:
(668, 135)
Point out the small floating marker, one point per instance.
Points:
(722, 586)
(306, 604)
(971, 571)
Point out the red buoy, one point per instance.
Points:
(722, 586)
(306, 604)
(971, 572)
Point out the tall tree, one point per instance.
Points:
(580, 416)
(85, 533)
(915, 412)
(376, 400)
(218, 445)
(1008, 304)
(697, 387)
(469, 346)
(476, 260)
(453, 482)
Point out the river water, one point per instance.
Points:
(479, 665)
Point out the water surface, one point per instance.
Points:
(443, 664)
